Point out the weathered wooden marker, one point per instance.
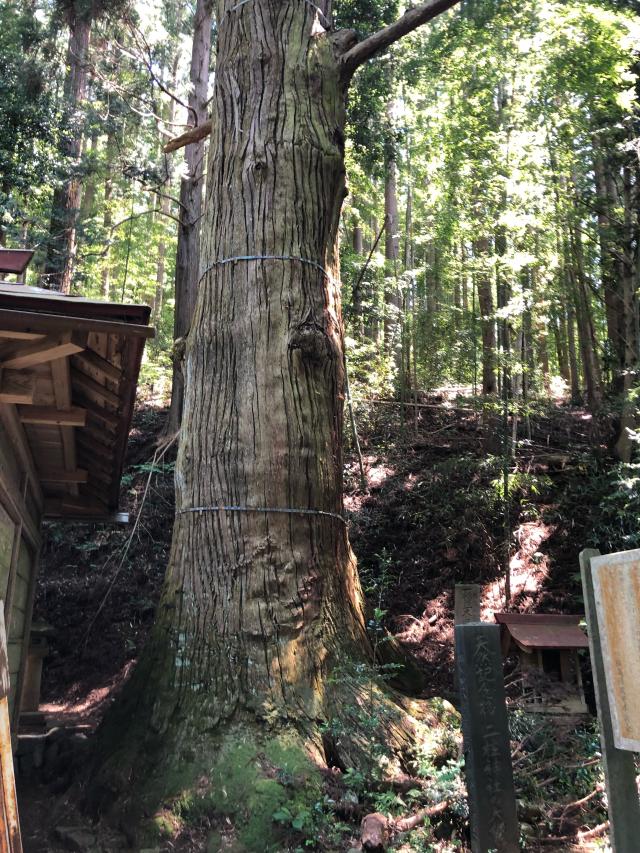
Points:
(466, 608)
(466, 603)
(611, 587)
(485, 729)
(10, 838)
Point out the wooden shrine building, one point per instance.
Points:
(547, 648)
(68, 374)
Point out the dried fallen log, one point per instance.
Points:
(376, 829)
(579, 837)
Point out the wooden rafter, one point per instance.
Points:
(90, 359)
(92, 387)
(10, 335)
(40, 352)
(74, 416)
(99, 412)
(61, 379)
(100, 451)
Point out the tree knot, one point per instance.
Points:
(312, 342)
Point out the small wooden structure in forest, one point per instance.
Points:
(68, 373)
(547, 648)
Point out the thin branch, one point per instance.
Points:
(411, 20)
(138, 37)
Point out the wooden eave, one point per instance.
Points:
(68, 374)
(15, 260)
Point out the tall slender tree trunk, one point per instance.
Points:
(358, 238)
(164, 208)
(574, 368)
(393, 306)
(107, 212)
(487, 323)
(191, 188)
(584, 317)
(464, 278)
(559, 333)
(629, 312)
(65, 206)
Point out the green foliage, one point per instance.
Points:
(609, 500)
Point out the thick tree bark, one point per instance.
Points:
(191, 188)
(65, 206)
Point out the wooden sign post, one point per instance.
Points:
(485, 731)
(10, 839)
(619, 764)
(466, 608)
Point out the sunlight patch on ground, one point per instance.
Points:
(91, 708)
(529, 569)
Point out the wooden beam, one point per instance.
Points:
(90, 386)
(82, 506)
(40, 352)
(20, 336)
(33, 321)
(73, 417)
(77, 476)
(16, 387)
(107, 518)
(61, 379)
(92, 361)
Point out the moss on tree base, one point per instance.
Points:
(257, 785)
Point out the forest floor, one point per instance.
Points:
(432, 515)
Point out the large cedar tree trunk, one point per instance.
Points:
(259, 607)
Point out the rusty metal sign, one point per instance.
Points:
(616, 582)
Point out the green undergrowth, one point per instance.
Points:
(558, 775)
(609, 499)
